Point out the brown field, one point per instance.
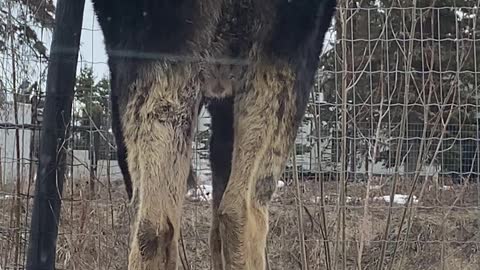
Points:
(441, 231)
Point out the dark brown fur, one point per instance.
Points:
(148, 240)
(252, 62)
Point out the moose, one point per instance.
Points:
(252, 64)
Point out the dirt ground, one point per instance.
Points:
(440, 231)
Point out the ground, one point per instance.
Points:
(442, 233)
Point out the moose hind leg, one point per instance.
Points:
(221, 145)
(267, 116)
(158, 126)
(121, 148)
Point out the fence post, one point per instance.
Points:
(58, 106)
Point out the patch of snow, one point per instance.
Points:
(6, 197)
(201, 193)
(397, 199)
(204, 191)
(327, 198)
(349, 199)
(446, 188)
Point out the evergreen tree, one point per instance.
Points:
(92, 118)
(393, 55)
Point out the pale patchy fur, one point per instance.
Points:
(158, 132)
(257, 100)
(259, 156)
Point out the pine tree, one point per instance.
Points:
(92, 98)
(396, 54)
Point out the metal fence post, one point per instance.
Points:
(58, 106)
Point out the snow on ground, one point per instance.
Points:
(204, 191)
(348, 199)
(446, 188)
(201, 193)
(6, 197)
(397, 199)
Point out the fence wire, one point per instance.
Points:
(384, 173)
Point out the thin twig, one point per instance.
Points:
(301, 231)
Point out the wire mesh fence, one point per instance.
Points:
(384, 173)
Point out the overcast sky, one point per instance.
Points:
(92, 50)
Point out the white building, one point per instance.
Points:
(8, 142)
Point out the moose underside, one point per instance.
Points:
(252, 64)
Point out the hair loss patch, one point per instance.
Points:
(148, 239)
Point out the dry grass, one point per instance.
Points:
(94, 233)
